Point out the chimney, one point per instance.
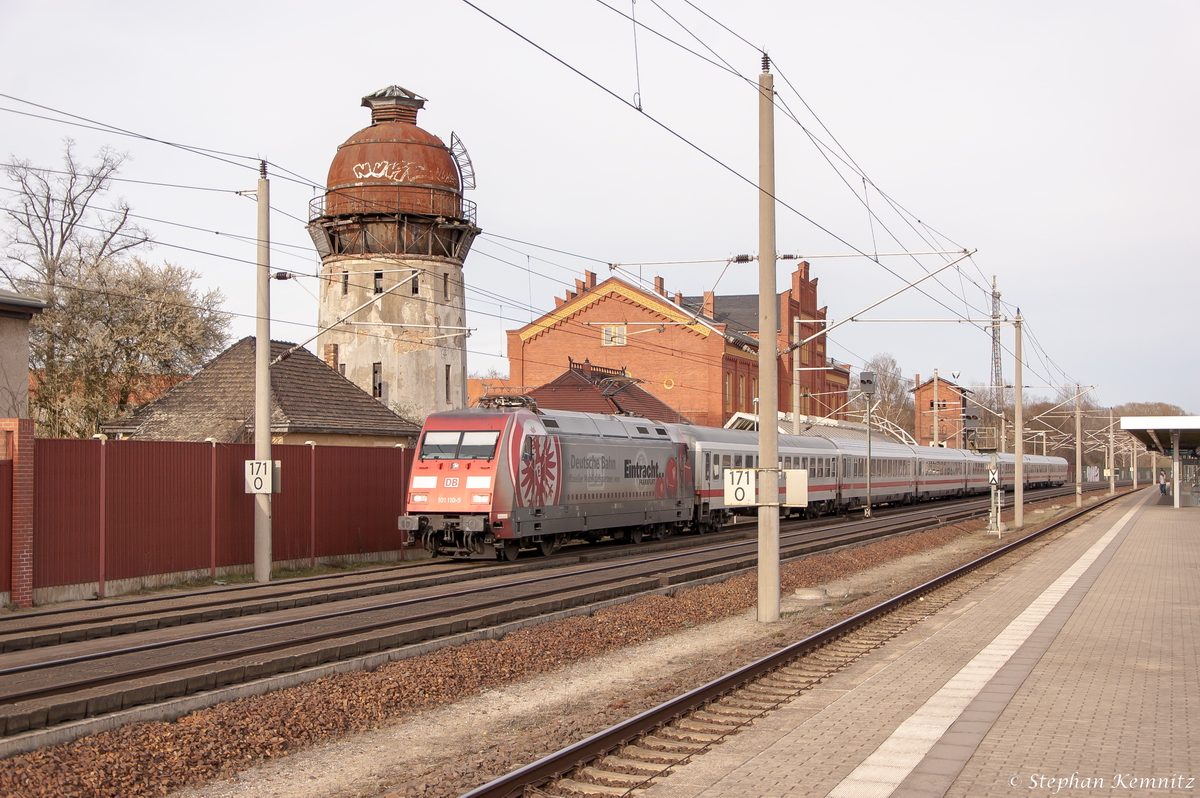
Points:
(660, 286)
(394, 104)
(589, 278)
(331, 356)
(710, 304)
(678, 298)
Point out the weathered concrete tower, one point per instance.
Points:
(393, 230)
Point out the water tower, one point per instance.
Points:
(393, 230)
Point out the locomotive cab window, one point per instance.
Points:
(474, 445)
(478, 445)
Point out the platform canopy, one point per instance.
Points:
(1158, 433)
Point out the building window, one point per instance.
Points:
(379, 282)
(342, 369)
(728, 392)
(614, 335)
(377, 380)
(416, 285)
(754, 390)
(446, 286)
(741, 397)
(345, 282)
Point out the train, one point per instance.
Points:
(489, 483)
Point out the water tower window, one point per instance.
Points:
(379, 282)
(377, 380)
(614, 335)
(416, 287)
(446, 285)
(447, 383)
(345, 282)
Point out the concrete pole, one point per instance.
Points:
(262, 378)
(937, 408)
(1112, 457)
(1019, 437)
(1133, 456)
(867, 511)
(768, 380)
(1175, 466)
(796, 377)
(1078, 448)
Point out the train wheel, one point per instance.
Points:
(509, 551)
(548, 546)
(662, 532)
(636, 535)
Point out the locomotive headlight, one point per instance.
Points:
(419, 498)
(480, 498)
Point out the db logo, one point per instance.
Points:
(451, 482)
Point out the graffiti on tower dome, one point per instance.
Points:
(386, 170)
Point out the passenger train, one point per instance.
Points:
(489, 483)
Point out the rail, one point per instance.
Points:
(585, 751)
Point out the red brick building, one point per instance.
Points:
(699, 355)
(939, 405)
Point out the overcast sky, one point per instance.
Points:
(1059, 139)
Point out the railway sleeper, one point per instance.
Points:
(634, 767)
(723, 721)
(667, 745)
(734, 713)
(784, 681)
(767, 694)
(691, 723)
(744, 702)
(679, 734)
(805, 673)
(570, 787)
(610, 778)
(636, 752)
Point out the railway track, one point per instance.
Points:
(629, 757)
(87, 669)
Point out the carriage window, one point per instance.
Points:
(725, 461)
(707, 466)
(737, 461)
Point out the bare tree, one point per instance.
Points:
(118, 328)
(893, 391)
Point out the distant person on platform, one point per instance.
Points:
(1162, 482)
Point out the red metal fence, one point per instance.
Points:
(6, 480)
(125, 509)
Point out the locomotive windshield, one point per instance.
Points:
(473, 445)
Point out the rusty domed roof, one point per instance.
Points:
(394, 161)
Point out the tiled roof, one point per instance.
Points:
(737, 313)
(218, 402)
(576, 390)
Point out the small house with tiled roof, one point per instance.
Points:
(309, 402)
(697, 355)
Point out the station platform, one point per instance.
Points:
(1076, 672)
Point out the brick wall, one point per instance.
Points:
(19, 433)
